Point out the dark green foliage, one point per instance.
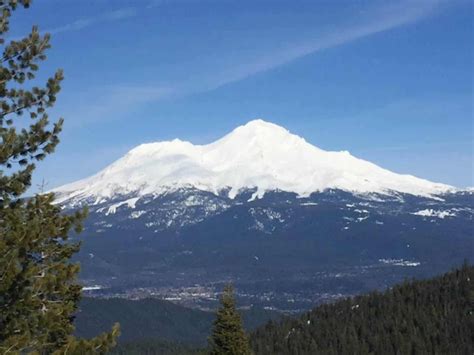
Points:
(38, 288)
(228, 335)
(419, 317)
(433, 316)
(20, 148)
(155, 347)
(142, 320)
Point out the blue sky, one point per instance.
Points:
(392, 82)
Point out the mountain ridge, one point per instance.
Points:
(259, 155)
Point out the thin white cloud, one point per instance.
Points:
(109, 103)
(378, 19)
(374, 21)
(80, 24)
(121, 13)
(154, 3)
(113, 101)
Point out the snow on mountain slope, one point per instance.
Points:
(257, 155)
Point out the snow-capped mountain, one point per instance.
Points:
(270, 211)
(259, 155)
(280, 250)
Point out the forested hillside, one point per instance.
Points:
(155, 322)
(418, 317)
(429, 316)
(156, 347)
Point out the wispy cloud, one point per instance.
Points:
(376, 19)
(110, 102)
(372, 21)
(82, 23)
(155, 3)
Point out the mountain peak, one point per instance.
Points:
(261, 124)
(259, 155)
(258, 128)
(257, 139)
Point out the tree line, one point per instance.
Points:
(419, 317)
(433, 316)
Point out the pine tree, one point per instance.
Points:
(39, 293)
(228, 335)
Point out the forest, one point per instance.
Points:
(415, 317)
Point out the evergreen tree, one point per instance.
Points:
(39, 293)
(228, 335)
